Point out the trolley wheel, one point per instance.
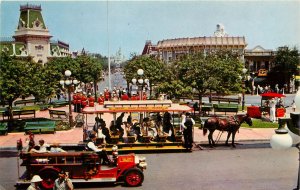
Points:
(133, 177)
(48, 176)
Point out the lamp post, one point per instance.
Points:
(244, 70)
(282, 139)
(140, 82)
(68, 81)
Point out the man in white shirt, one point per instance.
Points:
(43, 147)
(101, 152)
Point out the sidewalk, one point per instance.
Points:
(75, 135)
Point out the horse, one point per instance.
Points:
(230, 124)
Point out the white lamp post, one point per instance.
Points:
(244, 70)
(283, 140)
(69, 82)
(140, 82)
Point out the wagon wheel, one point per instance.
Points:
(133, 177)
(48, 176)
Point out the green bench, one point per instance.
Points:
(3, 128)
(39, 126)
(58, 114)
(28, 101)
(24, 102)
(206, 108)
(224, 99)
(23, 112)
(226, 108)
(57, 104)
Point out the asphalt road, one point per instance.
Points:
(235, 169)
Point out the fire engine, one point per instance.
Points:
(82, 167)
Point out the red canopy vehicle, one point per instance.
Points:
(256, 111)
(270, 95)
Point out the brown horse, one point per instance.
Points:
(230, 124)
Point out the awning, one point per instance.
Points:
(272, 95)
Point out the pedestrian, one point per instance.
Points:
(183, 116)
(187, 124)
(63, 182)
(35, 182)
(293, 106)
(272, 110)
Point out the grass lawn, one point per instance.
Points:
(258, 123)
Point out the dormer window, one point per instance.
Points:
(37, 24)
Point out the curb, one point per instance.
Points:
(240, 142)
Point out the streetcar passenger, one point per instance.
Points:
(55, 148)
(43, 147)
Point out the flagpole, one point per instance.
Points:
(109, 71)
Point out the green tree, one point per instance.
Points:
(17, 78)
(286, 61)
(90, 70)
(153, 70)
(199, 73)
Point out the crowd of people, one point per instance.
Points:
(260, 89)
(81, 99)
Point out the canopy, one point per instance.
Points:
(272, 95)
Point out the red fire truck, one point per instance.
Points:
(82, 167)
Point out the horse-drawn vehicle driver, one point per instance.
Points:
(90, 146)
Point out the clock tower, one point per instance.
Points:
(32, 31)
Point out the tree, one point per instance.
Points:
(286, 61)
(90, 70)
(153, 70)
(201, 73)
(17, 79)
(84, 68)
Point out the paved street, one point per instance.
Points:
(236, 169)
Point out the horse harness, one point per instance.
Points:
(230, 122)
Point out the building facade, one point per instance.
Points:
(32, 38)
(258, 60)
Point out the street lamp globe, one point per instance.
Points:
(244, 70)
(133, 81)
(68, 82)
(281, 140)
(62, 82)
(141, 81)
(68, 73)
(75, 81)
(140, 72)
(146, 81)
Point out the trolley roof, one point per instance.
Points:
(137, 106)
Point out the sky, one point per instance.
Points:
(105, 26)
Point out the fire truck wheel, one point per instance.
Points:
(133, 177)
(48, 176)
